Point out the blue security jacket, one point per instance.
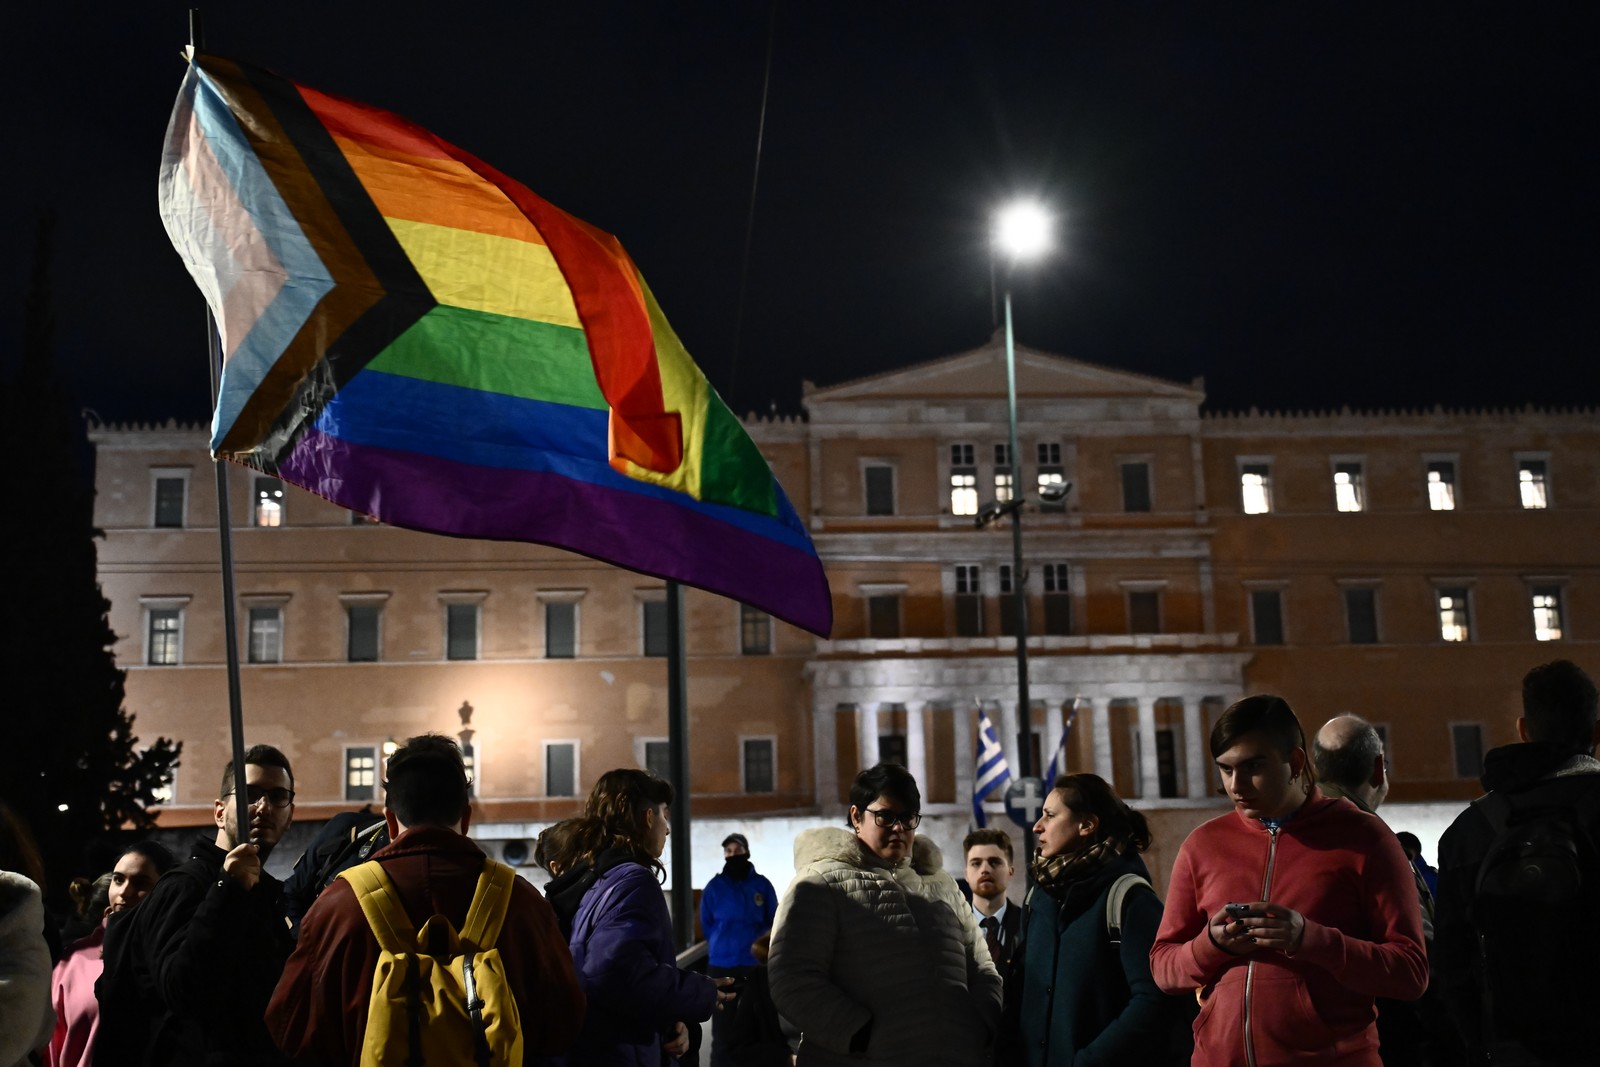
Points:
(734, 913)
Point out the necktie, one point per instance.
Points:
(991, 934)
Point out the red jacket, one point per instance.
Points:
(1345, 873)
(318, 1012)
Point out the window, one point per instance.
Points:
(1057, 600)
(755, 631)
(963, 480)
(1455, 613)
(361, 772)
(1349, 487)
(758, 765)
(1255, 487)
(892, 749)
(461, 631)
(1135, 487)
(165, 637)
(1441, 484)
(1144, 611)
(654, 619)
(1008, 602)
(1533, 482)
(658, 757)
(1361, 614)
(561, 768)
(883, 616)
(560, 629)
(171, 490)
(268, 507)
(1050, 474)
(361, 640)
(1546, 612)
(1466, 742)
(879, 480)
(1002, 473)
(969, 600)
(266, 635)
(1266, 616)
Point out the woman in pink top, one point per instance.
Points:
(72, 985)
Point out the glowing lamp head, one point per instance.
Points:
(1022, 231)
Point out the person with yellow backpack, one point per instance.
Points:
(430, 952)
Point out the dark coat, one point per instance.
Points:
(622, 949)
(189, 972)
(1084, 1001)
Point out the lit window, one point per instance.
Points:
(755, 631)
(361, 773)
(1546, 612)
(1455, 615)
(170, 490)
(969, 600)
(1533, 483)
(1349, 491)
(266, 635)
(268, 501)
(1441, 485)
(166, 632)
(1255, 485)
(1002, 473)
(879, 489)
(759, 764)
(963, 490)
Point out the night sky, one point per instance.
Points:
(1368, 203)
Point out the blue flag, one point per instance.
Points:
(993, 770)
(1058, 758)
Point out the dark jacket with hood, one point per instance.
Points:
(189, 972)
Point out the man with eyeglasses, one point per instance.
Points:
(188, 975)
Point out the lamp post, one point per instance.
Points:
(1022, 232)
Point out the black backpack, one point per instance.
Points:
(1534, 908)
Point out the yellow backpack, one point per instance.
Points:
(438, 997)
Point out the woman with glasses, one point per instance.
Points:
(876, 956)
(1086, 991)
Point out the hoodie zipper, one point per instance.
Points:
(1250, 968)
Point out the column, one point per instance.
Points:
(1195, 745)
(1149, 768)
(916, 745)
(1100, 717)
(961, 712)
(866, 735)
(825, 756)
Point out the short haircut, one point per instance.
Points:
(1558, 702)
(426, 782)
(998, 838)
(885, 780)
(737, 839)
(261, 756)
(1268, 715)
(1349, 765)
(159, 855)
(1409, 841)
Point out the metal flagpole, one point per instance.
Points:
(678, 756)
(230, 622)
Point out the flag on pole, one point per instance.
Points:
(992, 771)
(413, 335)
(1058, 758)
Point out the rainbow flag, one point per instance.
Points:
(413, 335)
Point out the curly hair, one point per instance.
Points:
(614, 816)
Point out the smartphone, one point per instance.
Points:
(1238, 911)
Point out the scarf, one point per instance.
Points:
(1055, 873)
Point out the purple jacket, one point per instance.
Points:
(622, 950)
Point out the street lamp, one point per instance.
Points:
(1023, 231)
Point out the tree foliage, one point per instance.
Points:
(70, 762)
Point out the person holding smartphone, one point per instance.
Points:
(1289, 914)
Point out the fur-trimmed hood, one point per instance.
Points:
(831, 844)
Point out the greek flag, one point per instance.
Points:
(993, 771)
(1058, 758)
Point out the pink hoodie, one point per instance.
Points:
(1345, 873)
(72, 995)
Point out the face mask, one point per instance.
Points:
(736, 866)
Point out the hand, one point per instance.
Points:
(1277, 927)
(1231, 935)
(725, 991)
(679, 1044)
(243, 865)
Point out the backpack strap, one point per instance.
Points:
(1115, 899)
(380, 903)
(490, 902)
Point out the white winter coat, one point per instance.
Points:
(26, 1017)
(858, 940)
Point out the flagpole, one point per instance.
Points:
(678, 757)
(230, 621)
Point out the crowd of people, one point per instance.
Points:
(1296, 928)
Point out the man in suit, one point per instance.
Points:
(989, 872)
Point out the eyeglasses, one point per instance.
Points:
(277, 796)
(887, 817)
